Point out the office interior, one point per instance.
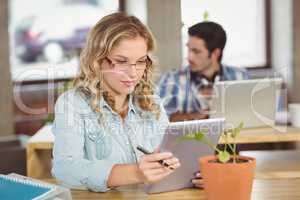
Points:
(267, 43)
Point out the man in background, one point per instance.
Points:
(186, 92)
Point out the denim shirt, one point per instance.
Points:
(87, 144)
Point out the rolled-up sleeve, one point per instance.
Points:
(70, 164)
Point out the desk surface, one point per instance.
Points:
(40, 146)
(275, 189)
(44, 138)
(274, 164)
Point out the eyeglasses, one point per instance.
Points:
(125, 65)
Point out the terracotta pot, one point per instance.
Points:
(232, 181)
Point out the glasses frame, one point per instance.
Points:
(126, 66)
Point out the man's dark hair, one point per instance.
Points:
(212, 33)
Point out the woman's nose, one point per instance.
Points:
(131, 71)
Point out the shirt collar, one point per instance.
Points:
(131, 106)
(198, 79)
(105, 105)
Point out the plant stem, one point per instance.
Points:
(211, 145)
(231, 147)
(226, 142)
(234, 150)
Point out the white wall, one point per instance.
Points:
(245, 46)
(282, 38)
(137, 8)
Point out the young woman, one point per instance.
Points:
(111, 110)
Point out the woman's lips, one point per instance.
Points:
(128, 83)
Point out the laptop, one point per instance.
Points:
(251, 101)
(188, 152)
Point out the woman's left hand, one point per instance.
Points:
(198, 181)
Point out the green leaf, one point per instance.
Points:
(66, 86)
(241, 125)
(223, 156)
(225, 133)
(49, 119)
(236, 131)
(199, 136)
(205, 16)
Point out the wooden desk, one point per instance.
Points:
(275, 189)
(268, 134)
(39, 153)
(276, 164)
(40, 145)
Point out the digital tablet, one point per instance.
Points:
(187, 151)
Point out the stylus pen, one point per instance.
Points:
(143, 150)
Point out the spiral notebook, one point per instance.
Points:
(17, 188)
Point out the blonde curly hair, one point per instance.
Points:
(105, 35)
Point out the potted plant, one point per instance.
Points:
(226, 175)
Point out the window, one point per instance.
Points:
(47, 36)
(245, 25)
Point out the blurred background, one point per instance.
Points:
(41, 42)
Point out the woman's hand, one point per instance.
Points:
(198, 181)
(152, 171)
